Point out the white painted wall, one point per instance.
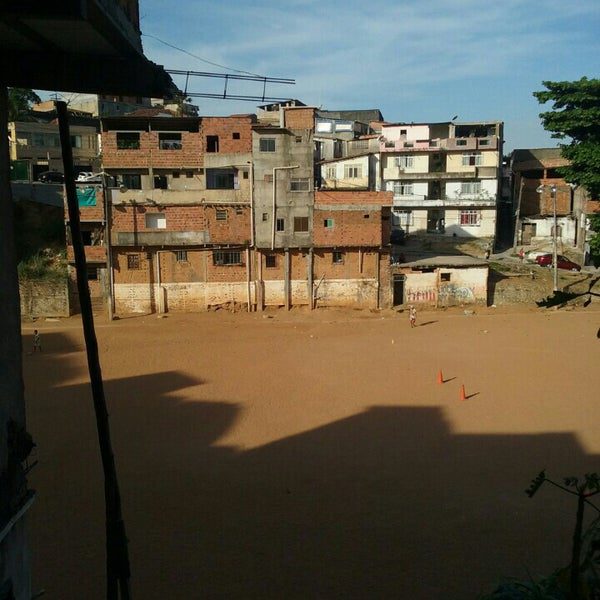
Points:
(489, 158)
(489, 188)
(420, 188)
(420, 164)
(544, 229)
(413, 132)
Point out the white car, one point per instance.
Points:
(532, 255)
(83, 175)
(87, 177)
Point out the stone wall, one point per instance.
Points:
(44, 299)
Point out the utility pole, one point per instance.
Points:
(554, 248)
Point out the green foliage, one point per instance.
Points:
(42, 267)
(595, 240)
(19, 103)
(576, 115)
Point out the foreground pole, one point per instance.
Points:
(117, 558)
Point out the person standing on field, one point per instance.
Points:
(412, 316)
(37, 344)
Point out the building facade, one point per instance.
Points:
(445, 177)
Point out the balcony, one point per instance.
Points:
(160, 238)
(415, 145)
(447, 202)
(179, 197)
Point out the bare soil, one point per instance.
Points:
(314, 455)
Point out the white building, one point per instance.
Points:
(445, 176)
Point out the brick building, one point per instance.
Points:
(180, 219)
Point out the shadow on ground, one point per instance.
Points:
(387, 503)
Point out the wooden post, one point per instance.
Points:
(117, 558)
(311, 277)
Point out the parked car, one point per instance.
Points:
(398, 237)
(83, 175)
(532, 255)
(51, 177)
(89, 178)
(545, 260)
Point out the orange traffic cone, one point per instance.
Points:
(463, 395)
(440, 377)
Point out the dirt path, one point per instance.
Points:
(315, 455)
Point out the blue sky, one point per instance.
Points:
(416, 60)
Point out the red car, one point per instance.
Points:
(545, 260)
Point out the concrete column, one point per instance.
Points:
(286, 289)
(309, 267)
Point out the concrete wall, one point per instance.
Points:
(339, 179)
(420, 164)
(486, 227)
(454, 164)
(292, 147)
(42, 193)
(566, 233)
(44, 299)
(489, 189)
(413, 132)
(465, 286)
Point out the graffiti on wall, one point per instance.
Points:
(421, 295)
(453, 293)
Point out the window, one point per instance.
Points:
(267, 145)
(212, 143)
(181, 256)
(403, 217)
(403, 132)
(404, 162)
(221, 214)
(328, 223)
(175, 174)
(160, 182)
(38, 139)
(472, 160)
(403, 189)
(128, 140)
(337, 258)
(189, 174)
(461, 142)
(156, 221)
(324, 127)
(469, 218)
(445, 276)
(300, 224)
(76, 143)
(271, 261)
(245, 174)
(235, 135)
(268, 178)
(227, 257)
(300, 185)
(469, 188)
(352, 171)
(265, 217)
(484, 142)
(280, 225)
(92, 273)
(221, 179)
(366, 216)
(169, 141)
(133, 262)
(298, 139)
(132, 181)
(330, 173)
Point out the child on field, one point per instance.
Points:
(37, 344)
(412, 316)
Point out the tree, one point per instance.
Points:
(595, 240)
(19, 102)
(575, 115)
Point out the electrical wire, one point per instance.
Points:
(204, 60)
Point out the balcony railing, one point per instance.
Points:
(447, 201)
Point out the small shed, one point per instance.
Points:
(441, 281)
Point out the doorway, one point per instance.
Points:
(528, 231)
(398, 293)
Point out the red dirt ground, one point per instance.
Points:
(297, 455)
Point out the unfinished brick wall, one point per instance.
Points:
(299, 118)
(149, 153)
(224, 128)
(90, 213)
(353, 266)
(349, 197)
(234, 230)
(350, 228)
(534, 203)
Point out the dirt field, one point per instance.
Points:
(296, 455)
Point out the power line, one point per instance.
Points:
(204, 60)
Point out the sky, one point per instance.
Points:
(415, 60)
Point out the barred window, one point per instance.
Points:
(267, 144)
(221, 214)
(227, 257)
(133, 262)
(469, 217)
(300, 224)
(181, 255)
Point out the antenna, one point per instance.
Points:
(225, 95)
